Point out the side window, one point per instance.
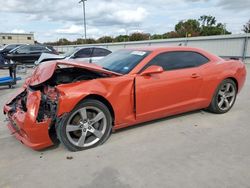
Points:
(36, 48)
(100, 52)
(178, 60)
(23, 50)
(10, 47)
(198, 58)
(83, 53)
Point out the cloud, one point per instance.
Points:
(18, 31)
(242, 5)
(130, 16)
(54, 19)
(73, 29)
(104, 12)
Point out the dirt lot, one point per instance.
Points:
(196, 149)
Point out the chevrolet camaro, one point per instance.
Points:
(80, 104)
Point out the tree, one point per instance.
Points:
(121, 38)
(171, 34)
(207, 21)
(79, 41)
(139, 36)
(90, 41)
(209, 26)
(189, 27)
(246, 27)
(105, 39)
(156, 36)
(63, 41)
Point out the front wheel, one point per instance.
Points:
(224, 97)
(87, 126)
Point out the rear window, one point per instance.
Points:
(100, 52)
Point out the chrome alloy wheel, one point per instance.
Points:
(226, 96)
(86, 126)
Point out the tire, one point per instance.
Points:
(224, 97)
(88, 125)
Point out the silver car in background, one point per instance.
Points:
(85, 54)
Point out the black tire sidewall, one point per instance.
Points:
(214, 104)
(61, 128)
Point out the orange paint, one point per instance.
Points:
(135, 97)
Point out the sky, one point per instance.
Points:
(54, 19)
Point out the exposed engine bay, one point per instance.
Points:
(49, 94)
(72, 74)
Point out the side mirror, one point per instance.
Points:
(154, 69)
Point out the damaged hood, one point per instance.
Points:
(46, 70)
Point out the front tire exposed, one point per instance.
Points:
(88, 125)
(224, 97)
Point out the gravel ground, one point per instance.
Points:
(197, 149)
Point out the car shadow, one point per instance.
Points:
(58, 145)
(3, 88)
(13, 88)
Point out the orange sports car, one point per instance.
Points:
(80, 104)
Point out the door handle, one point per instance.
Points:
(195, 75)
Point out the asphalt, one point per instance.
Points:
(192, 150)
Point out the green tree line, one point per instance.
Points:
(206, 25)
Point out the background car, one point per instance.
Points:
(7, 48)
(80, 103)
(85, 54)
(28, 54)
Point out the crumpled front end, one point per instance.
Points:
(30, 118)
(33, 113)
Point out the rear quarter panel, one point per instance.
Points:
(215, 72)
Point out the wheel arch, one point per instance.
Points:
(52, 130)
(235, 81)
(219, 81)
(104, 101)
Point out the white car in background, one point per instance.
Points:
(85, 54)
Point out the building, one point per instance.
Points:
(13, 38)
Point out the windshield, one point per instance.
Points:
(70, 52)
(123, 61)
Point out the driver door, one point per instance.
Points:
(21, 54)
(173, 91)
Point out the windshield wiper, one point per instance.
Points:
(107, 69)
(111, 70)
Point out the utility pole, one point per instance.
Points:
(224, 28)
(84, 19)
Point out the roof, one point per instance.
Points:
(17, 34)
(170, 48)
(177, 48)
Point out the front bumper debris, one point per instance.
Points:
(22, 113)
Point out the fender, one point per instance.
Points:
(121, 97)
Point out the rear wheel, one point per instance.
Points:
(224, 97)
(87, 126)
